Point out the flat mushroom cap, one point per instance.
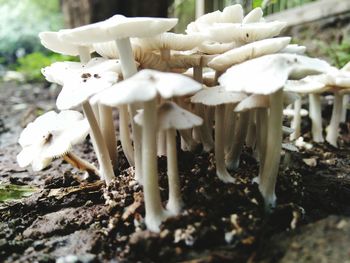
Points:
(244, 33)
(51, 135)
(51, 41)
(216, 96)
(249, 51)
(117, 27)
(267, 74)
(79, 85)
(253, 16)
(211, 48)
(168, 40)
(254, 101)
(145, 85)
(309, 84)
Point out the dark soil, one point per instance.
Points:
(70, 219)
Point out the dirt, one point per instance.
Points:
(71, 219)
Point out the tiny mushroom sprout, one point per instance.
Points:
(270, 73)
(120, 29)
(53, 135)
(144, 87)
(80, 83)
(218, 97)
(171, 118)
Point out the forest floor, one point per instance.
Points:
(70, 219)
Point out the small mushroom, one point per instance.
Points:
(53, 135)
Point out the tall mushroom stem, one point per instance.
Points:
(155, 212)
(124, 134)
(106, 169)
(251, 130)
(175, 202)
(221, 171)
(332, 130)
(129, 68)
(315, 113)
(230, 123)
(80, 163)
(261, 123)
(108, 132)
(345, 107)
(268, 177)
(296, 121)
(232, 157)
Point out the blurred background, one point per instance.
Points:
(322, 25)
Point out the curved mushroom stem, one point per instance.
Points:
(332, 130)
(108, 133)
(251, 130)
(106, 169)
(268, 177)
(345, 107)
(80, 163)
(155, 212)
(296, 121)
(232, 157)
(315, 113)
(221, 171)
(129, 68)
(175, 202)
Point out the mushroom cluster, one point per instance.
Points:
(221, 85)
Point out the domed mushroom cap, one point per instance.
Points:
(116, 27)
(171, 116)
(51, 41)
(254, 101)
(217, 96)
(245, 33)
(80, 84)
(145, 85)
(253, 16)
(269, 73)
(51, 135)
(249, 51)
(168, 40)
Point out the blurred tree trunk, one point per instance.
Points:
(81, 12)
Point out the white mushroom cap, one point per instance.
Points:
(310, 84)
(253, 16)
(217, 96)
(267, 74)
(79, 85)
(291, 112)
(118, 26)
(254, 101)
(168, 40)
(249, 51)
(294, 49)
(51, 135)
(346, 67)
(145, 85)
(171, 116)
(51, 41)
(210, 47)
(245, 33)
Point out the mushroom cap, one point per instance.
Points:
(171, 116)
(253, 16)
(294, 49)
(145, 85)
(269, 73)
(249, 51)
(291, 112)
(117, 27)
(168, 40)
(216, 96)
(51, 135)
(309, 84)
(244, 33)
(51, 41)
(254, 101)
(93, 77)
(210, 47)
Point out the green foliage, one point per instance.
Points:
(21, 21)
(14, 192)
(30, 65)
(337, 53)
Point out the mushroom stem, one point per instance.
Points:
(129, 68)
(232, 157)
(155, 212)
(332, 130)
(345, 107)
(175, 202)
(79, 163)
(221, 171)
(261, 126)
(251, 133)
(296, 121)
(124, 134)
(268, 177)
(315, 113)
(106, 169)
(197, 131)
(189, 143)
(108, 132)
(230, 122)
